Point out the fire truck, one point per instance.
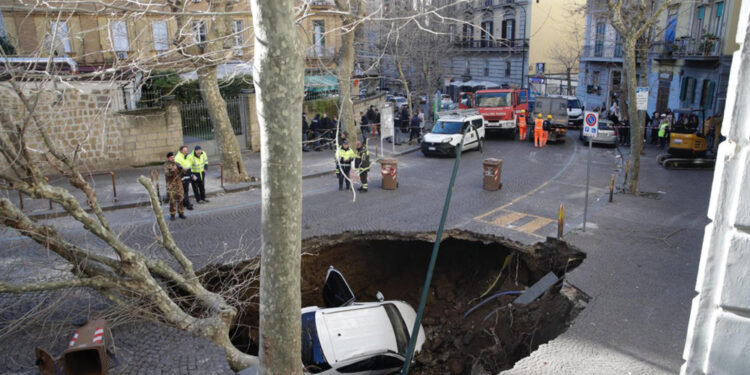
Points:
(501, 107)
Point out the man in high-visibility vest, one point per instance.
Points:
(199, 164)
(183, 160)
(344, 158)
(547, 125)
(522, 125)
(538, 130)
(663, 131)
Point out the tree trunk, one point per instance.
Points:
(346, 67)
(231, 157)
(636, 135)
(278, 74)
(407, 92)
(570, 85)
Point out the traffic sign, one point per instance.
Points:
(642, 98)
(591, 124)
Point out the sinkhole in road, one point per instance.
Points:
(491, 338)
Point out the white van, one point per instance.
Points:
(445, 135)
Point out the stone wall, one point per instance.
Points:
(88, 116)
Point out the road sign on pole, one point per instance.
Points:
(590, 129)
(642, 98)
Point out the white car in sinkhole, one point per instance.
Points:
(349, 337)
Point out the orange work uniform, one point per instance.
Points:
(522, 127)
(538, 132)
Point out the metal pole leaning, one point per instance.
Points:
(560, 221)
(611, 188)
(433, 259)
(221, 168)
(627, 166)
(114, 185)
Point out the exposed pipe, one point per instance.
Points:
(490, 298)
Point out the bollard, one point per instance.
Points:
(627, 165)
(611, 188)
(20, 200)
(114, 185)
(560, 221)
(221, 168)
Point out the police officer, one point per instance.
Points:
(199, 166)
(362, 164)
(344, 156)
(182, 160)
(172, 173)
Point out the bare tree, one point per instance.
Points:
(205, 56)
(352, 19)
(568, 53)
(632, 19)
(279, 88)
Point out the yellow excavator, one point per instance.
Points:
(687, 142)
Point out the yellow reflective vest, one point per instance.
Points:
(198, 163)
(183, 161)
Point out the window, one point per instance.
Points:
(707, 94)
(120, 36)
(719, 14)
(380, 362)
(618, 45)
(319, 35)
(687, 90)
(161, 37)
(199, 32)
(2, 26)
(468, 32)
(60, 32)
(486, 33)
(238, 30)
(699, 21)
(486, 67)
(595, 78)
(601, 28)
(452, 32)
(509, 29)
(494, 99)
(507, 68)
(468, 66)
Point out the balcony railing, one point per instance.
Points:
(493, 44)
(688, 47)
(319, 52)
(602, 51)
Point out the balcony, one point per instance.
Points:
(320, 52)
(606, 52)
(708, 47)
(493, 45)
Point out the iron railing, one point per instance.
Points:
(501, 44)
(196, 121)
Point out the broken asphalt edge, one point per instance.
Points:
(233, 188)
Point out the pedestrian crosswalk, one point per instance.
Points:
(519, 221)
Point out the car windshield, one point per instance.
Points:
(447, 127)
(493, 99)
(604, 125)
(312, 353)
(399, 327)
(574, 103)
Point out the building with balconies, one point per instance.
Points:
(690, 61)
(600, 69)
(491, 44)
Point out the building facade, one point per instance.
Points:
(491, 44)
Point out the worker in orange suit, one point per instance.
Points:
(538, 131)
(522, 125)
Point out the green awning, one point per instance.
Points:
(321, 83)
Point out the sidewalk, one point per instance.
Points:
(640, 272)
(131, 193)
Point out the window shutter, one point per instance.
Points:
(505, 28)
(709, 96)
(512, 26)
(683, 88)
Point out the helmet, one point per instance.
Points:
(549, 117)
(523, 111)
(539, 115)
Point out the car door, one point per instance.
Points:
(478, 126)
(471, 136)
(336, 291)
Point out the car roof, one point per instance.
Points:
(354, 331)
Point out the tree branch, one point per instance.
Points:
(96, 282)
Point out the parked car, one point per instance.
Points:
(445, 135)
(606, 134)
(349, 337)
(399, 101)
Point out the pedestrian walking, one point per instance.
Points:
(405, 118)
(414, 128)
(344, 158)
(376, 124)
(316, 131)
(328, 127)
(663, 129)
(305, 130)
(198, 168)
(173, 174)
(182, 159)
(362, 164)
(364, 126)
(538, 130)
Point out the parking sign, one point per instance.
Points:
(590, 124)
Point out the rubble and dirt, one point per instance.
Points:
(490, 339)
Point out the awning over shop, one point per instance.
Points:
(321, 83)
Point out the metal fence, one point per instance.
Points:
(196, 121)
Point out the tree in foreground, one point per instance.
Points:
(632, 19)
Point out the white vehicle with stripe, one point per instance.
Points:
(355, 338)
